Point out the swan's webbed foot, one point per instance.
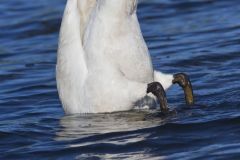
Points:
(157, 89)
(183, 80)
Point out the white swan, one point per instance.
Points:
(111, 72)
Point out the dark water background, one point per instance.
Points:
(199, 37)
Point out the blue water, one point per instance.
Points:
(199, 37)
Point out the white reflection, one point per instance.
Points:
(126, 156)
(85, 125)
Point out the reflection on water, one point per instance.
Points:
(80, 126)
(109, 130)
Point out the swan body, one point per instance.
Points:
(103, 63)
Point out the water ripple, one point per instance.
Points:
(199, 37)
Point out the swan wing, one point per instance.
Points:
(71, 54)
(71, 69)
(85, 8)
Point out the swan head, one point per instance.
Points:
(124, 7)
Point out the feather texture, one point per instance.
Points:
(103, 62)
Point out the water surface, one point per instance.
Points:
(199, 37)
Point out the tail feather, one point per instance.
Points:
(164, 79)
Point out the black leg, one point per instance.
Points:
(157, 89)
(183, 81)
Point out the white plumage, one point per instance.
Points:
(103, 63)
